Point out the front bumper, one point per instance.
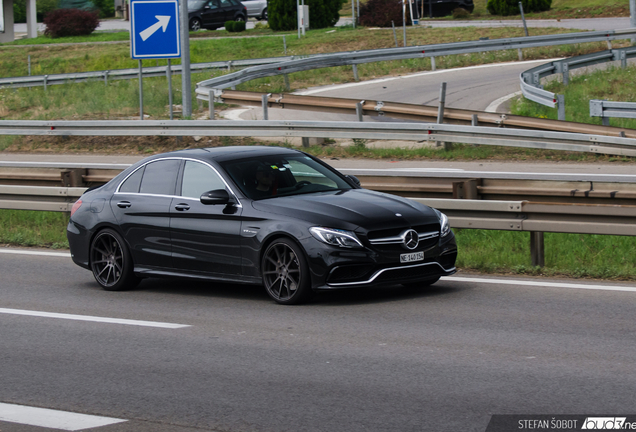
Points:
(338, 268)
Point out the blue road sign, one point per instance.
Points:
(154, 29)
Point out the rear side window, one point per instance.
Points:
(160, 177)
(199, 178)
(132, 183)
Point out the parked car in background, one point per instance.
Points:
(256, 9)
(212, 14)
(441, 7)
(257, 215)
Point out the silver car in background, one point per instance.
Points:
(256, 9)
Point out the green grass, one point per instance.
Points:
(613, 84)
(33, 228)
(570, 255)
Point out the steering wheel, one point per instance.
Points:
(302, 184)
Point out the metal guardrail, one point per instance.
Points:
(530, 80)
(471, 214)
(369, 56)
(607, 109)
(123, 74)
(425, 113)
(365, 130)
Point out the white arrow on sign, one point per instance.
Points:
(162, 21)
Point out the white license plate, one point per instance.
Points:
(415, 256)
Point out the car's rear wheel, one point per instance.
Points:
(195, 24)
(264, 16)
(111, 262)
(239, 18)
(421, 284)
(285, 272)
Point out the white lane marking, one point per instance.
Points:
(539, 283)
(40, 253)
(382, 80)
(494, 105)
(92, 318)
(235, 114)
(52, 419)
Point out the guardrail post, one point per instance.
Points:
(537, 249)
(565, 73)
(359, 110)
(46, 77)
(520, 53)
(523, 18)
(106, 78)
(264, 104)
(29, 62)
(623, 59)
(466, 189)
(433, 63)
(305, 141)
(605, 121)
(609, 44)
(355, 73)
(561, 107)
(73, 178)
(440, 110)
(211, 103)
(474, 120)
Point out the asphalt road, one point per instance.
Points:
(442, 359)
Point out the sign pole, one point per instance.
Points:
(141, 92)
(169, 73)
(186, 83)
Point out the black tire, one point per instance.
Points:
(286, 273)
(111, 263)
(239, 18)
(421, 284)
(195, 24)
(264, 16)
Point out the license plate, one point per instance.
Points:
(410, 257)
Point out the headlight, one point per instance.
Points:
(336, 237)
(443, 224)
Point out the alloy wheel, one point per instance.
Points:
(284, 273)
(107, 260)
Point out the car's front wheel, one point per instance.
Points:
(264, 16)
(195, 24)
(285, 272)
(111, 263)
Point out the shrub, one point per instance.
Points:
(322, 13)
(235, 26)
(511, 7)
(380, 13)
(460, 13)
(70, 22)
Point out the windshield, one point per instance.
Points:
(196, 4)
(274, 176)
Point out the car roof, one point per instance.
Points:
(221, 154)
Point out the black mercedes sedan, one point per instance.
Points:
(260, 215)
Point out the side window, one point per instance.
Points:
(132, 183)
(160, 177)
(214, 4)
(199, 178)
(225, 3)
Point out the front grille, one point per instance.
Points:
(394, 232)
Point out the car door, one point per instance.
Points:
(228, 10)
(141, 205)
(212, 15)
(205, 238)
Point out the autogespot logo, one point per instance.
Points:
(605, 423)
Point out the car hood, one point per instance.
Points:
(351, 209)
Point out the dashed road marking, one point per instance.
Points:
(52, 419)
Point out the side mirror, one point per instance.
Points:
(216, 197)
(354, 179)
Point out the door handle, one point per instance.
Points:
(123, 204)
(182, 207)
